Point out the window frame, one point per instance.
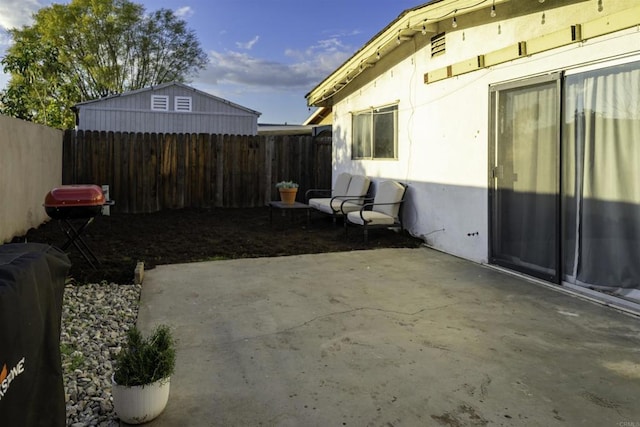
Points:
(366, 150)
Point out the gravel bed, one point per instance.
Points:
(95, 319)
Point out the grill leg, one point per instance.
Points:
(74, 237)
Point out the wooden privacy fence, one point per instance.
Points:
(150, 172)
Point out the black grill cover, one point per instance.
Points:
(32, 277)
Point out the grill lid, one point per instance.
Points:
(74, 195)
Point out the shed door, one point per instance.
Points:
(524, 180)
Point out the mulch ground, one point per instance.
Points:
(119, 241)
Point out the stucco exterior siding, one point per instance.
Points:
(30, 166)
(443, 127)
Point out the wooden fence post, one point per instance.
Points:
(219, 149)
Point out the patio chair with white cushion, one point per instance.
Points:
(350, 200)
(313, 196)
(383, 212)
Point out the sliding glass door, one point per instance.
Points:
(565, 188)
(524, 181)
(601, 178)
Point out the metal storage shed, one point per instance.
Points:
(167, 108)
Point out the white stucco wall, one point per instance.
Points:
(30, 166)
(443, 126)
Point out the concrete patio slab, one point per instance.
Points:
(389, 337)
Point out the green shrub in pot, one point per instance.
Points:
(142, 375)
(145, 360)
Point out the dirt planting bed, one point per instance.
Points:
(120, 241)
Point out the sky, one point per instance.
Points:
(265, 55)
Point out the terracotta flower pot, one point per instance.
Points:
(288, 195)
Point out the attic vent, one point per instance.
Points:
(183, 103)
(160, 102)
(437, 45)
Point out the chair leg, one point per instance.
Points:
(366, 234)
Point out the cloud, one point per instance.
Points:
(324, 48)
(307, 67)
(17, 13)
(336, 34)
(248, 45)
(333, 44)
(14, 14)
(184, 12)
(243, 69)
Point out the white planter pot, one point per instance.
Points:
(140, 404)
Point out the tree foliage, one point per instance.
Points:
(89, 49)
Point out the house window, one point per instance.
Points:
(159, 102)
(183, 104)
(375, 133)
(437, 45)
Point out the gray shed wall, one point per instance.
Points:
(132, 113)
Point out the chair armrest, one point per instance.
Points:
(338, 197)
(383, 204)
(351, 199)
(369, 207)
(318, 191)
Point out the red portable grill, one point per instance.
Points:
(80, 202)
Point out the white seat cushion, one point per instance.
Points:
(372, 218)
(342, 184)
(324, 205)
(315, 203)
(349, 206)
(388, 192)
(358, 187)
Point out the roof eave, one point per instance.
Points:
(422, 19)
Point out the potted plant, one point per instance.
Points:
(288, 191)
(142, 374)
